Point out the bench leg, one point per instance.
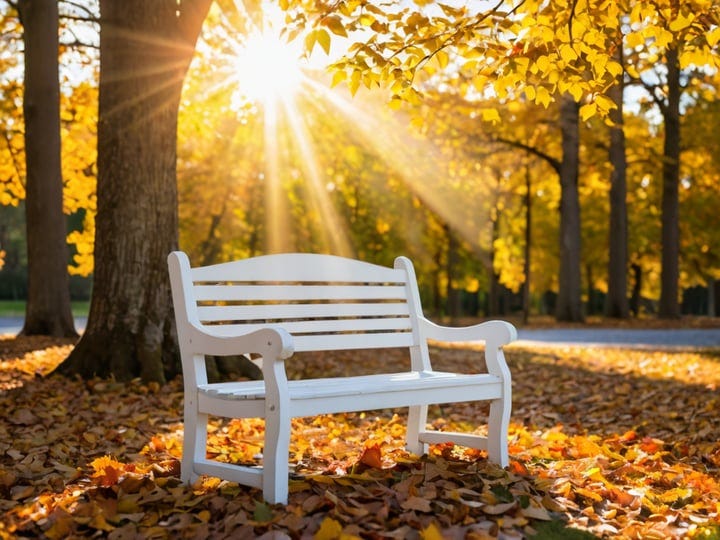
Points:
(417, 421)
(498, 423)
(194, 443)
(275, 456)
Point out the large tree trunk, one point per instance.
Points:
(670, 274)
(569, 302)
(48, 301)
(145, 50)
(616, 301)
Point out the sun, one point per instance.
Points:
(268, 68)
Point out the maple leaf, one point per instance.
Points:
(106, 471)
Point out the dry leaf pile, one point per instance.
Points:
(604, 443)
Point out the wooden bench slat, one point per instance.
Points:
(300, 311)
(327, 326)
(247, 293)
(305, 267)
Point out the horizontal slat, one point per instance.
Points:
(229, 293)
(248, 476)
(300, 311)
(299, 267)
(328, 325)
(462, 439)
(352, 341)
(329, 342)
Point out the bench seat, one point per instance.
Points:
(381, 391)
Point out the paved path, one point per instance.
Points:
(621, 337)
(605, 337)
(13, 325)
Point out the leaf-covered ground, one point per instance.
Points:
(606, 442)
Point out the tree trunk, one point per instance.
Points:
(452, 295)
(145, 50)
(47, 310)
(670, 273)
(569, 303)
(636, 295)
(616, 301)
(528, 242)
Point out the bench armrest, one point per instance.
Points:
(269, 342)
(493, 333)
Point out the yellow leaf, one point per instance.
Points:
(530, 93)
(543, 97)
(681, 22)
(335, 25)
(338, 77)
(490, 115)
(587, 111)
(323, 38)
(543, 63)
(713, 36)
(634, 39)
(568, 53)
(576, 91)
(442, 58)
(310, 40)
(329, 530)
(604, 103)
(614, 68)
(431, 533)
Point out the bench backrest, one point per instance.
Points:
(326, 302)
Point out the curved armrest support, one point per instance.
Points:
(493, 333)
(271, 343)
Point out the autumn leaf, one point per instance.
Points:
(372, 456)
(107, 471)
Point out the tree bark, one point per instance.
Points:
(569, 303)
(616, 301)
(145, 50)
(47, 309)
(670, 273)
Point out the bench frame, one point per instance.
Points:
(314, 302)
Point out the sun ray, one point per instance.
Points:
(277, 230)
(417, 161)
(333, 227)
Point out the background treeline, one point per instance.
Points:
(476, 204)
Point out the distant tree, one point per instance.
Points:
(48, 303)
(616, 301)
(569, 304)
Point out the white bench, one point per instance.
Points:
(275, 305)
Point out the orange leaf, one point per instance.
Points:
(372, 456)
(518, 468)
(106, 471)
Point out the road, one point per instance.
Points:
(606, 337)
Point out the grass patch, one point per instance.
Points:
(16, 308)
